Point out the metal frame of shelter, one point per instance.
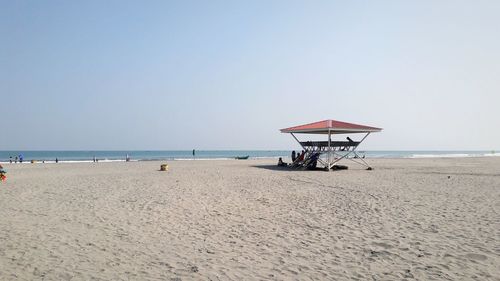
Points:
(335, 150)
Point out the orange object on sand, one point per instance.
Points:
(164, 167)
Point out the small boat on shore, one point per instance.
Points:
(241, 157)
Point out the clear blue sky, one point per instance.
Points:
(230, 74)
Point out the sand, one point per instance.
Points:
(425, 219)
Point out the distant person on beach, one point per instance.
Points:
(10, 159)
(20, 158)
(3, 177)
(127, 158)
(16, 160)
(294, 156)
(95, 160)
(57, 160)
(194, 153)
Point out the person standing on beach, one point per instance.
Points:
(57, 160)
(293, 156)
(16, 160)
(20, 158)
(3, 177)
(10, 159)
(194, 153)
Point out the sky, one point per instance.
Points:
(174, 75)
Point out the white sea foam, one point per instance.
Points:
(200, 159)
(71, 161)
(453, 155)
(112, 160)
(270, 157)
(66, 161)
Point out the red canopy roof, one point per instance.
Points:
(332, 126)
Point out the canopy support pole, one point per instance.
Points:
(329, 149)
(298, 141)
(353, 151)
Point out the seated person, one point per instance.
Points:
(281, 163)
(313, 161)
(301, 156)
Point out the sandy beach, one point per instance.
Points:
(424, 219)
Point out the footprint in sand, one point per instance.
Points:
(382, 244)
(477, 257)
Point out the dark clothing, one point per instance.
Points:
(301, 156)
(281, 163)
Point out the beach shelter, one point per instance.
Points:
(330, 152)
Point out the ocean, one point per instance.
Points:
(150, 155)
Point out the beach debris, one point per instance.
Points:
(408, 274)
(193, 269)
(164, 167)
(339, 167)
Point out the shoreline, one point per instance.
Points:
(452, 156)
(111, 156)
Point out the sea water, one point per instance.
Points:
(149, 155)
